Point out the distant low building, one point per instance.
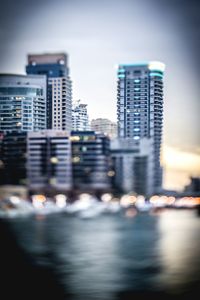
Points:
(50, 161)
(104, 126)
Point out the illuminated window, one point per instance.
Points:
(74, 138)
(76, 159)
(54, 160)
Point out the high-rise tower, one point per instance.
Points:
(22, 102)
(140, 107)
(59, 90)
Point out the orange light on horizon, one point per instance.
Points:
(179, 166)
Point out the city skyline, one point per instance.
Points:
(109, 36)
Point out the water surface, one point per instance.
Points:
(114, 256)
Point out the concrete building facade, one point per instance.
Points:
(104, 126)
(49, 160)
(132, 165)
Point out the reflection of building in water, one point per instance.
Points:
(104, 126)
(80, 119)
(49, 160)
(178, 249)
(80, 246)
(90, 160)
(140, 110)
(133, 165)
(22, 102)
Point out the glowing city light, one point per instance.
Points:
(127, 200)
(14, 199)
(106, 197)
(54, 160)
(76, 159)
(38, 201)
(111, 173)
(61, 200)
(74, 138)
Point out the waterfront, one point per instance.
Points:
(119, 256)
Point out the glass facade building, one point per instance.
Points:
(22, 102)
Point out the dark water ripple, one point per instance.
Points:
(110, 257)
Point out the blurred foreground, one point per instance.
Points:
(100, 250)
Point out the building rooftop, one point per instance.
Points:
(47, 58)
(152, 65)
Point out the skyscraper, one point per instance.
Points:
(80, 119)
(59, 88)
(140, 107)
(22, 102)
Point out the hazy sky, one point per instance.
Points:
(98, 35)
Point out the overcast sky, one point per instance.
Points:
(98, 35)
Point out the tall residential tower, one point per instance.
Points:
(59, 90)
(140, 108)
